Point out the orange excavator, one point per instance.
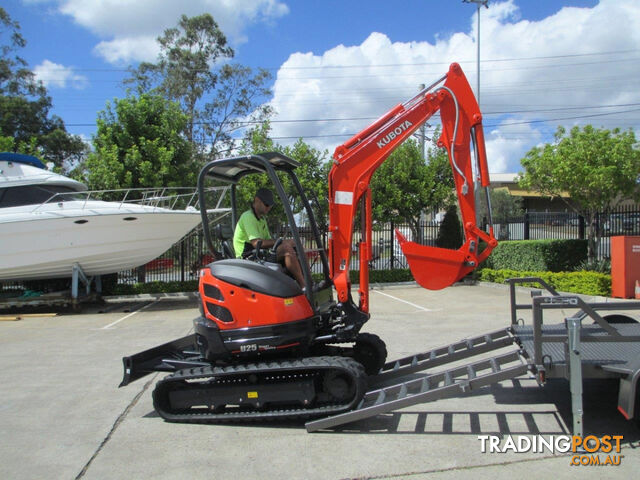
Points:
(264, 348)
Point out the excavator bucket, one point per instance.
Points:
(436, 268)
(432, 267)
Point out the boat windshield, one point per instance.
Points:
(35, 195)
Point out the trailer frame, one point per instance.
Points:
(572, 350)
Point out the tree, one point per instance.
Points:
(256, 140)
(191, 67)
(139, 143)
(312, 174)
(598, 168)
(404, 186)
(25, 105)
(15, 77)
(503, 208)
(6, 144)
(237, 102)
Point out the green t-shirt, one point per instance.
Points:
(249, 228)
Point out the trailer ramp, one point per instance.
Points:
(410, 389)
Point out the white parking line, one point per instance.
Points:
(404, 301)
(130, 315)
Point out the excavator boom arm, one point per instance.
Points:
(356, 160)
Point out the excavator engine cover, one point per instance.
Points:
(248, 308)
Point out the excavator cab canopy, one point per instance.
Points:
(232, 170)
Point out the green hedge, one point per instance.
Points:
(383, 276)
(538, 255)
(377, 276)
(586, 283)
(152, 287)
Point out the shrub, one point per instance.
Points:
(586, 283)
(600, 266)
(538, 255)
(153, 287)
(450, 232)
(383, 276)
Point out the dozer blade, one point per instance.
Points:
(167, 357)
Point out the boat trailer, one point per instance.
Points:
(607, 348)
(79, 293)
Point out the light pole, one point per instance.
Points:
(423, 130)
(478, 3)
(477, 176)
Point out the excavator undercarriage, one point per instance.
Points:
(279, 389)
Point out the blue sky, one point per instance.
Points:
(543, 62)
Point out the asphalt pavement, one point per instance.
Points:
(63, 416)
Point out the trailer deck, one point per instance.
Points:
(595, 355)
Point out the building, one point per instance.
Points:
(532, 201)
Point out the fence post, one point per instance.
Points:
(526, 226)
(142, 274)
(393, 247)
(182, 259)
(581, 227)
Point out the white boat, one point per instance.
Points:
(49, 222)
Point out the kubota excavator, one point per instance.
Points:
(264, 348)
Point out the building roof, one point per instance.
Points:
(509, 182)
(503, 177)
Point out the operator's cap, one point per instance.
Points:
(265, 196)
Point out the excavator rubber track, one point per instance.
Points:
(275, 390)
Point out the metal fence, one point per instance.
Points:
(183, 260)
(564, 225)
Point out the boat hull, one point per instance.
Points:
(43, 246)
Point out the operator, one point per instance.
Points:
(252, 228)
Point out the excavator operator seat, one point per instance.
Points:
(224, 233)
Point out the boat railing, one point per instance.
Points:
(167, 198)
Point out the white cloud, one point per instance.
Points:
(56, 75)
(510, 139)
(125, 49)
(128, 27)
(558, 70)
